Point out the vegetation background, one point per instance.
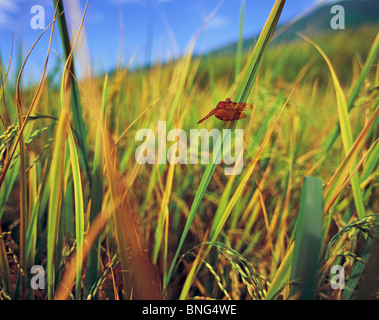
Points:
(74, 200)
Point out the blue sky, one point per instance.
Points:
(144, 29)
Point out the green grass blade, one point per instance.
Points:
(348, 164)
(5, 190)
(75, 99)
(282, 275)
(308, 238)
(93, 263)
(346, 132)
(357, 87)
(244, 89)
(55, 195)
(357, 271)
(240, 42)
(79, 212)
(163, 216)
(30, 235)
(371, 164)
(56, 174)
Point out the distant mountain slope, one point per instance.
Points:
(357, 13)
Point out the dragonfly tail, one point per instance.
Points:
(207, 116)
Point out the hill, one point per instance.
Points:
(357, 14)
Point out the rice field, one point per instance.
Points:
(298, 222)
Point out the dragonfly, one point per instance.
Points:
(228, 111)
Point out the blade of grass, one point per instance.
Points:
(352, 174)
(55, 196)
(32, 229)
(4, 80)
(33, 199)
(347, 164)
(240, 42)
(75, 99)
(371, 164)
(282, 275)
(69, 274)
(5, 191)
(56, 184)
(93, 263)
(358, 269)
(244, 88)
(357, 87)
(346, 132)
(163, 216)
(4, 267)
(79, 211)
(192, 273)
(308, 238)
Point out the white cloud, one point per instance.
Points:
(8, 5)
(7, 9)
(218, 21)
(95, 17)
(321, 2)
(3, 18)
(127, 1)
(140, 2)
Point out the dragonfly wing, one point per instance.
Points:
(229, 115)
(242, 115)
(224, 105)
(229, 111)
(243, 105)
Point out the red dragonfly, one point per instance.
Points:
(228, 110)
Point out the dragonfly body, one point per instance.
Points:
(228, 111)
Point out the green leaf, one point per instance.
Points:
(357, 87)
(308, 238)
(346, 131)
(93, 263)
(75, 99)
(79, 212)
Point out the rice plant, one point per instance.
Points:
(75, 200)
